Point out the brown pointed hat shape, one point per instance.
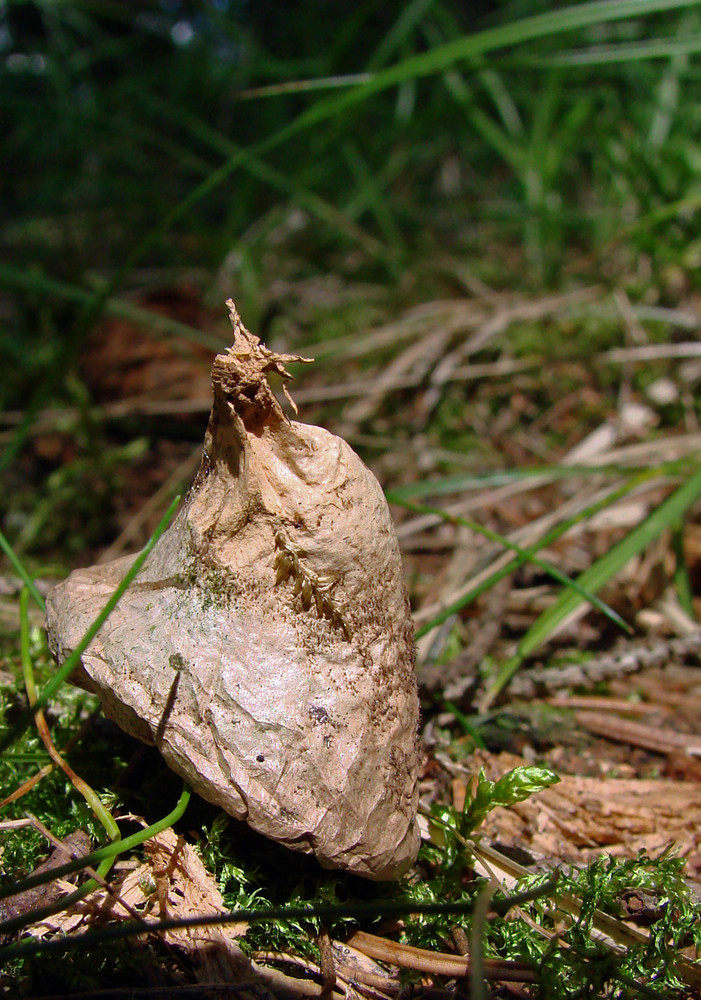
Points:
(267, 648)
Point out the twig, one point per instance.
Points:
(638, 734)
(603, 704)
(386, 984)
(626, 658)
(448, 367)
(650, 352)
(328, 965)
(203, 990)
(438, 963)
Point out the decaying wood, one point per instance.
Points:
(173, 883)
(184, 888)
(267, 646)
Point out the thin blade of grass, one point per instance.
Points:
(666, 516)
(682, 580)
(88, 793)
(333, 217)
(369, 190)
(522, 556)
(22, 572)
(462, 483)
(548, 539)
(400, 32)
(72, 661)
(303, 86)
(601, 55)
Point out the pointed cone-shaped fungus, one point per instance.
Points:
(266, 648)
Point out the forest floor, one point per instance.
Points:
(570, 418)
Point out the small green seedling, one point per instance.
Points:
(452, 828)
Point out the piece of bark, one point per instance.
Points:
(75, 845)
(267, 646)
(184, 888)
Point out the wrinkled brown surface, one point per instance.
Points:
(267, 646)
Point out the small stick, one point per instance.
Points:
(438, 963)
(638, 734)
(328, 965)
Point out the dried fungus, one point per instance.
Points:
(266, 648)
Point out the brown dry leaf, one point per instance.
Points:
(579, 818)
(267, 647)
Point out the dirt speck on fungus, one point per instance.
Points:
(276, 599)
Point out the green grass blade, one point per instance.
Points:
(90, 795)
(401, 31)
(464, 482)
(22, 572)
(672, 210)
(26, 660)
(522, 556)
(304, 86)
(602, 55)
(667, 515)
(72, 661)
(490, 480)
(682, 581)
(323, 210)
(548, 539)
(470, 47)
(370, 191)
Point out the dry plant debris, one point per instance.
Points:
(582, 817)
(76, 844)
(172, 883)
(267, 648)
(612, 430)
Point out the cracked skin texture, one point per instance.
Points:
(267, 648)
